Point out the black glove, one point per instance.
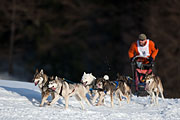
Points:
(150, 59)
(131, 59)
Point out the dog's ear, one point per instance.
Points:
(152, 74)
(92, 76)
(146, 75)
(118, 74)
(56, 78)
(52, 77)
(37, 70)
(42, 72)
(84, 73)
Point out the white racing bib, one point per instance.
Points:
(143, 50)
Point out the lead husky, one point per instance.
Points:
(61, 88)
(42, 81)
(153, 87)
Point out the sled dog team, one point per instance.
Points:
(96, 87)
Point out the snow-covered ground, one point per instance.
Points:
(20, 101)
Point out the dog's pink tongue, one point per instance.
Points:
(36, 83)
(84, 83)
(98, 86)
(53, 88)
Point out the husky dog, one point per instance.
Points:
(89, 81)
(127, 79)
(124, 85)
(42, 81)
(154, 87)
(61, 88)
(118, 87)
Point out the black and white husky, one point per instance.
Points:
(42, 81)
(61, 88)
(118, 87)
(154, 87)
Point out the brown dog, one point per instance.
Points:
(119, 87)
(42, 81)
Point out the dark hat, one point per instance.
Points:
(142, 37)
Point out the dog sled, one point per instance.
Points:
(140, 68)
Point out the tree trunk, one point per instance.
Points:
(12, 37)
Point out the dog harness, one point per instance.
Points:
(69, 81)
(117, 83)
(60, 93)
(91, 89)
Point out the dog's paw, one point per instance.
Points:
(98, 104)
(46, 101)
(49, 103)
(40, 105)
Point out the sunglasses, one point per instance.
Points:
(142, 40)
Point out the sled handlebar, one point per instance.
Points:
(138, 56)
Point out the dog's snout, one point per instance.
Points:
(99, 85)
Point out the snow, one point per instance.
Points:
(20, 101)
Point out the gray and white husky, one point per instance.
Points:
(42, 81)
(61, 88)
(154, 87)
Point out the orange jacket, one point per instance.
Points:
(133, 50)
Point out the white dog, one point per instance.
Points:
(89, 82)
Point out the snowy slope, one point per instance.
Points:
(20, 101)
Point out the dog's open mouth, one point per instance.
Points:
(36, 83)
(84, 83)
(98, 85)
(53, 88)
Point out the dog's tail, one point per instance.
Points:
(106, 77)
